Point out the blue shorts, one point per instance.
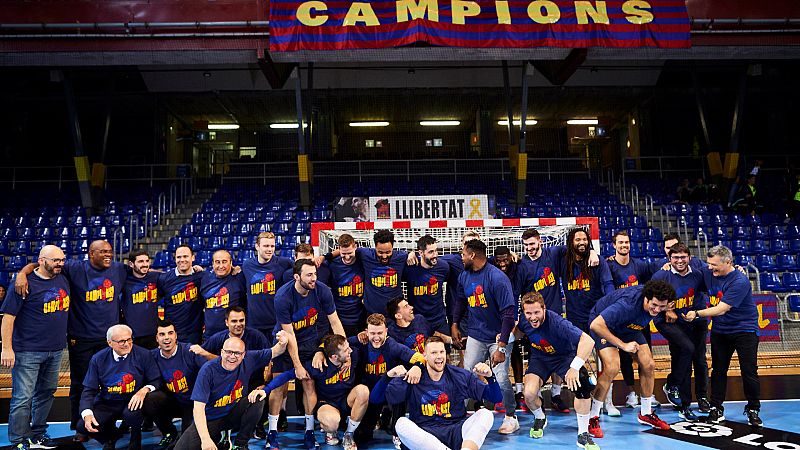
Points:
(544, 366)
(636, 336)
(306, 351)
(449, 435)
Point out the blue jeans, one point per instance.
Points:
(477, 351)
(34, 379)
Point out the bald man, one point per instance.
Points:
(220, 290)
(33, 359)
(96, 286)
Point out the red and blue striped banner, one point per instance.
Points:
(342, 25)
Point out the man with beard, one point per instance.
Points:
(487, 292)
(180, 289)
(408, 328)
(424, 282)
(306, 251)
(456, 265)
(347, 276)
(140, 299)
(626, 272)
(235, 326)
(557, 347)
(297, 309)
(178, 367)
(33, 359)
(436, 404)
(687, 340)
(220, 290)
(617, 321)
(95, 287)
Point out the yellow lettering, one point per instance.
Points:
(417, 10)
(462, 9)
(361, 12)
(762, 322)
(304, 14)
(635, 12)
(552, 12)
(584, 10)
(503, 15)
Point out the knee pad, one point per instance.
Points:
(587, 384)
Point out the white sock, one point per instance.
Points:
(309, 422)
(476, 427)
(555, 389)
(583, 423)
(412, 436)
(273, 422)
(352, 424)
(538, 413)
(596, 406)
(518, 388)
(610, 394)
(646, 405)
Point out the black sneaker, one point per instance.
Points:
(687, 415)
(147, 425)
(703, 406)
(673, 395)
(716, 415)
(752, 418)
(537, 430)
(168, 441)
(558, 404)
(259, 432)
(225, 442)
(283, 422)
(585, 441)
(42, 442)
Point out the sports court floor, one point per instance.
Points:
(781, 417)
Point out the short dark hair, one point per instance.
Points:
(620, 233)
(680, 247)
(137, 253)
(432, 339)
(236, 308)
(660, 290)
(530, 233)
(425, 241)
(331, 344)
(383, 237)
(393, 305)
(303, 248)
(376, 319)
(477, 246)
(346, 240)
(185, 245)
(298, 265)
(502, 251)
(671, 236)
(164, 323)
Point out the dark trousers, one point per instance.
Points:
(722, 348)
(243, 417)
(106, 414)
(80, 353)
(162, 407)
(626, 360)
(687, 349)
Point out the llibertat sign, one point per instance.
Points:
(341, 25)
(468, 207)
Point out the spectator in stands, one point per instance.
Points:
(747, 200)
(701, 192)
(96, 286)
(140, 299)
(486, 293)
(34, 333)
(220, 290)
(735, 329)
(347, 282)
(180, 290)
(117, 382)
(683, 192)
(178, 368)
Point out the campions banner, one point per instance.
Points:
(340, 25)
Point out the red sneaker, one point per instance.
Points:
(499, 408)
(559, 405)
(594, 427)
(652, 420)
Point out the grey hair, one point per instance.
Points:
(723, 252)
(115, 328)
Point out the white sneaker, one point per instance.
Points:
(396, 442)
(632, 401)
(610, 409)
(510, 425)
(331, 438)
(653, 402)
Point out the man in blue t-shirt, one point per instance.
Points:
(425, 284)
(180, 296)
(557, 347)
(95, 287)
(347, 275)
(582, 283)
(616, 323)
(408, 328)
(487, 294)
(220, 290)
(34, 334)
(437, 402)
(220, 395)
(324, 276)
(178, 367)
(734, 328)
(687, 340)
(140, 299)
(116, 386)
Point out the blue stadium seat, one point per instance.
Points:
(9, 234)
(234, 243)
(791, 281)
(793, 231)
(59, 221)
(24, 248)
(719, 220)
(42, 221)
(5, 249)
(639, 222)
(771, 282)
(778, 246)
(83, 233)
(752, 220)
(743, 260)
(758, 247)
(161, 260)
(173, 243)
(96, 221)
(765, 263)
(794, 245)
(302, 216)
(64, 233)
(244, 255)
(607, 249)
(196, 243)
(736, 220)
(203, 258)
(758, 232)
(225, 229)
(207, 229)
(268, 217)
(101, 232)
(786, 262)
(700, 209)
(17, 262)
(654, 249)
(741, 233)
(718, 233)
(740, 247)
(216, 242)
(637, 250)
(777, 232)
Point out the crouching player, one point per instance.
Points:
(437, 412)
(560, 348)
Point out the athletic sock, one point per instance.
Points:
(555, 389)
(647, 403)
(596, 406)
(352, 424)
(309, 422)
(273, 422)
(583, 423)
(518, 388)
(538, 413)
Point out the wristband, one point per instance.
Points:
(576, 363)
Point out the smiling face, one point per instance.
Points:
(121, 342)
(533, 245)
(141, 265)
(430, 256)
(222, 263)
(534, 314)
(232, 353)
(435, 356)
(503, 262)
(235, 322)
(307, 277)
(184, 258)
(622, 244)
(680, 262)
(100, 254)
(580, 243)
(384, 252)
(376, 334)
(167, 338)
(265, 248)
(719, 267)
(348, 254)
(654, 306)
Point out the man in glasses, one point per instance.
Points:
(34, 334)
(219, 393)
(116, 384)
